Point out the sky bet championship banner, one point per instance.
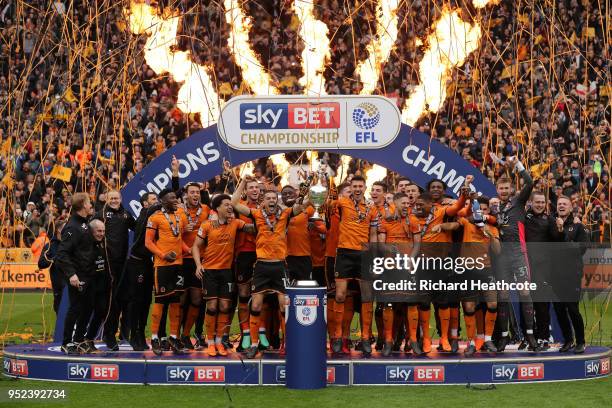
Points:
(251, 127)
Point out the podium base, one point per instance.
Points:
(46, 362)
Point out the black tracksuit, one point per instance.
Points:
(539, 234)
(118, 223)
(567, 280)
(139, 277)
(74, 257)
(99, 291)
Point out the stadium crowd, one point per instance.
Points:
(91, 109)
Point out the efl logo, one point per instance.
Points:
(417, 374)
(214, 374)
(520, 372)
(281, 375)
(593, 368)
(366, 116)
(96, 372)
(290, 116)
(16, 367)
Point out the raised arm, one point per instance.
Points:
(238, 206)
(454, 208)
(525, 193)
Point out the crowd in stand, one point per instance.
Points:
(76, 93)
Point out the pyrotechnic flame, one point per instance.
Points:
(197, 94)
(253, 72)
(316, 48)
(343, 169)
(282, 167)
(450, 43)
(380, 46)
(484, 3)
(313, 159)
(246, 169)
(376, 173)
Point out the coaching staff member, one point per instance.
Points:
(118, 222)
(539, 229)
(73, 258)
(568, 278)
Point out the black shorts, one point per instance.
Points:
(330, 280)
(189, 270)
(243, 267)
(513, 266)
(269, 277)
(169, 280)
(299, 267)
(318, 274)
(218, 284)
(484, 275)
(348, 264)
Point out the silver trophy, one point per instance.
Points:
(317, 196)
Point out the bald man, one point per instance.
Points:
(99, 286)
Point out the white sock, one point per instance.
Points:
(154, 337)
(487, 338)
(529, 331)
(504, 334)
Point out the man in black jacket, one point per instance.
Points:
(513, 264)
(139, 275)
(138, 278)
(539, 232)
(118, 222)
(569, 269)
(99, 286)
(73, 258)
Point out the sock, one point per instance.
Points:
(281, 314)
(444, 314)
(192, 315)
(366, 317)
(399, 321)
(254, 324)
(413, 321)
(490, 317)
(454, 322)
(331, 318)
(264, 316)
(338, 319)
(243, 313)
(424, 316)
(228, 323)
(174, 312)
(210, 323)
(470, 325)
(527, 309)
(378, 318)
(480, 321)
(503, 317)
(347, 317)
(222, 322)
(387, 318)
(156, 313)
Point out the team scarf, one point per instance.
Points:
(277, 214)
(197, 216)
(360, 216)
